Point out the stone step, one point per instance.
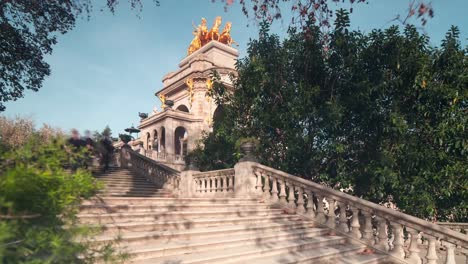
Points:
(164, 208)
(129, 184)
(316, 256)
(158, 216)
(124, 180)
(137, 194)
(134, 190)
(242, 254)
(165, 201)
(148, 226)
(174, 248)
(211, 232)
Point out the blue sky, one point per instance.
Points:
(108, 68)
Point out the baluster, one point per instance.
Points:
(320, 216)
(431, 250)
(224, 179)
(290, 195)
(282, 195)
(331, 220)
(310, 204)
(216, 182)
(413, 256)
(355, 226)
(206, 185)
(397, 250)
(343, 227)
(368, 231)
(197, 186)
(382, 236)
(228, 183)
(266, 187)
(300, 201)
(274, 189)
(258, 185)
(450, 252)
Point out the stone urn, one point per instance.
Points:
(125, 138)
(247, 149)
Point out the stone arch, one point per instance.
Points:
(180, 141)
(148, 141)
(183, 108)
(218, 114)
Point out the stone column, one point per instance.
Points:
(186, 181)
(170, 133)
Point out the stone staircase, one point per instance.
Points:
(156, 227)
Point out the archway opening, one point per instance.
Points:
(182, 108)
(218, 116)
(148, 141)
(162, 144)
(181, 139)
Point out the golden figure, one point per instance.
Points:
(214, 32)
(203, 33)
(189, 82)
(163, 100)
(225, 36)
(202, 36)
(196, 42)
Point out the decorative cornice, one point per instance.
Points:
(170, 113)
(195, 75)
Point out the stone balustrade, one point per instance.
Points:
(214, 183)
(407, 238)
(365, 222)
(162, 176)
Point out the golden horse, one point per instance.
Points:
(225, 36)
(214, 32)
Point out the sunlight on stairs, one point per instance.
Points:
(157, 227)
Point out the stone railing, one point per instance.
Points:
(459, 227)
(363, 221)
(214, 183)
(162, 176)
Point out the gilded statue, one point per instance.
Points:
(202, 36)
(214, 31)
(225, 36)
(196, 42)
(163, 100)
(189, 83)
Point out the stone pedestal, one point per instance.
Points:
(245, 180)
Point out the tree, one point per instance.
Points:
(320, 12)
(382, 112)
(28, 32)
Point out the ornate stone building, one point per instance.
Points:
(187, 109)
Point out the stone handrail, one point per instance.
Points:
(357, 218)
(217, 183)
(459, 227)
(161, 175)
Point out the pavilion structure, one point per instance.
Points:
(187, 107)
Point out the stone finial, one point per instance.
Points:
(247, 147)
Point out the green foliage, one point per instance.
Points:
(383, 112)
(38, 204)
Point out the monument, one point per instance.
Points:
(187, 108)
